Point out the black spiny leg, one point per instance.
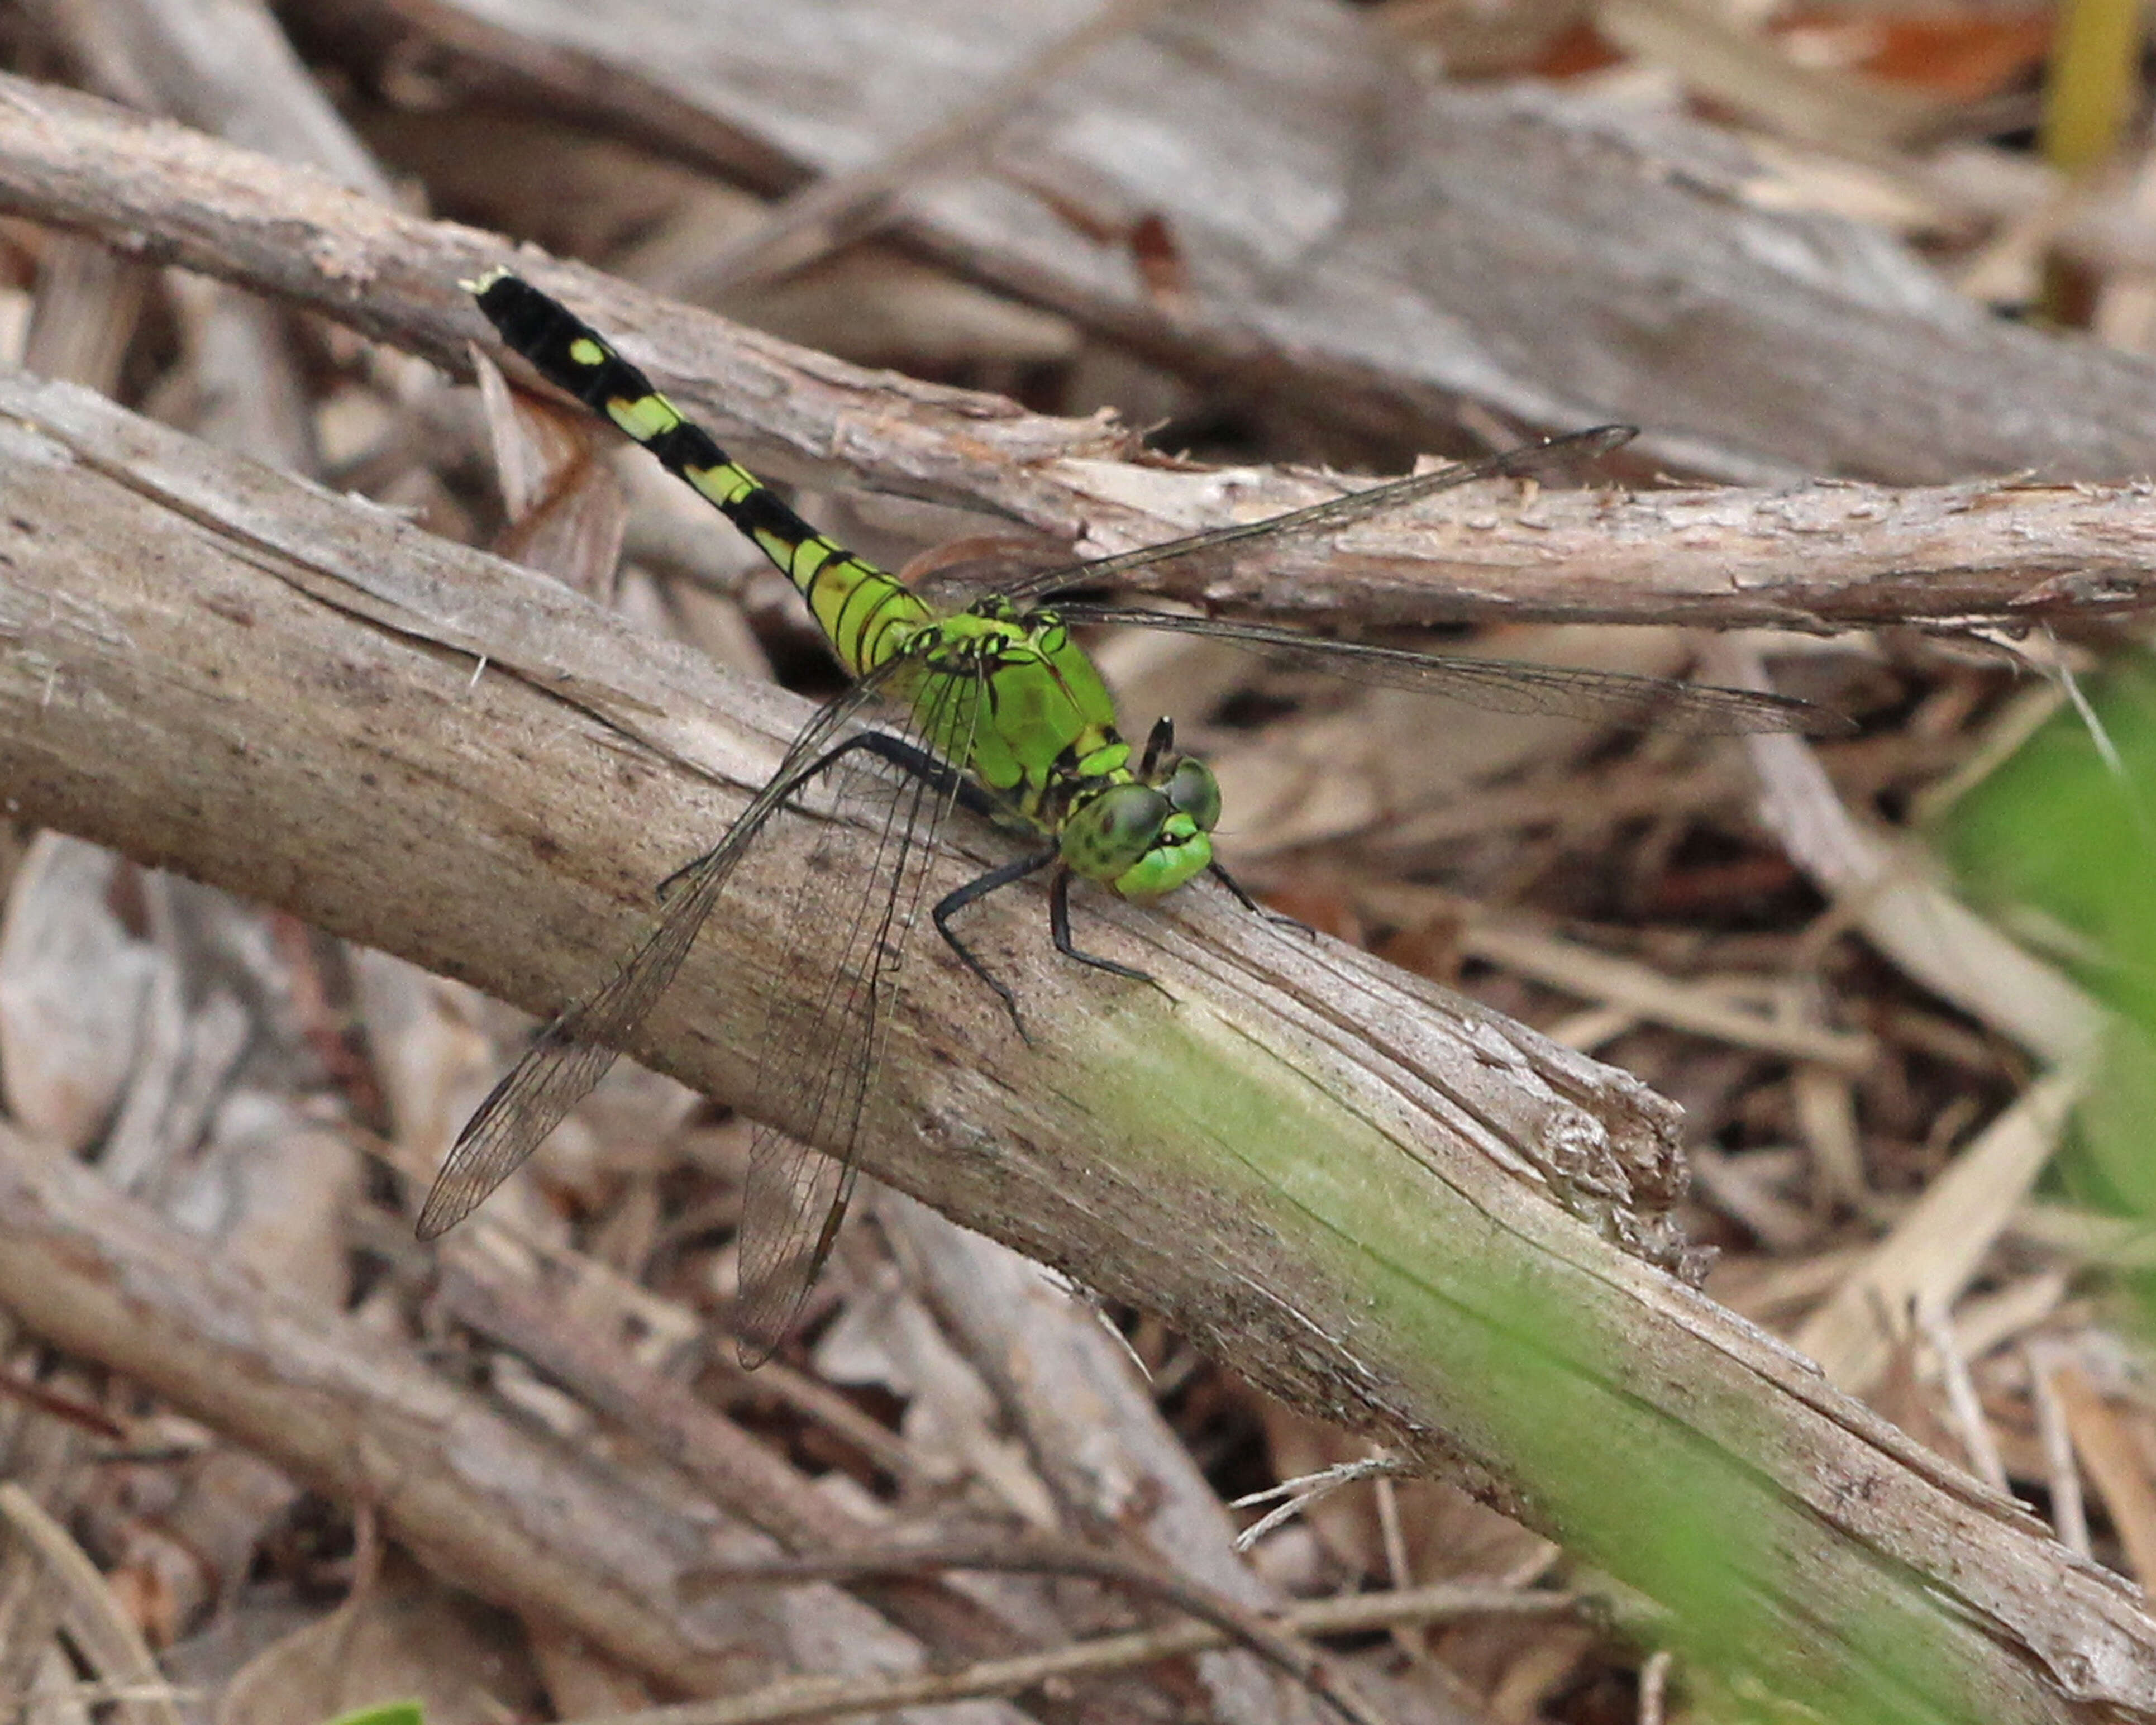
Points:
(979, 888)
(1059, 924)
(1159, 742)
(1235, 886)
(946, 781)
(938, 775)
(1243, 897)
(916, 763)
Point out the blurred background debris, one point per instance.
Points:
(1901, 983)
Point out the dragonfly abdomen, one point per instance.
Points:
(864, 611)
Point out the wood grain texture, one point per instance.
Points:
(1378, 1200)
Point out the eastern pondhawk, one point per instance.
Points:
(995, 708)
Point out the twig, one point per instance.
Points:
(829, 213)
(814, 1698)
(1399, 1569)
(1066, 1386)
(2069, 1506)
(1518, 248)
(1597, 976)
(739, 1473)
(1933, 1251)
(1933, 1319)
(2114, 1460)
(103, 1634)
(1824, 557)
(1034, 1555)
(1654, 1686)
(525, 1524)
(1306, 1490)
(71, 1410)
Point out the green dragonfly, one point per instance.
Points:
(995, 708)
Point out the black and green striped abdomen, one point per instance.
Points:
(864, 613)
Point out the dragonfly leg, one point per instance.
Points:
(679, 875)
(1248, 903)
(899, 753)
(1161, 741)
(1059, 926)
(939, 775)
(979, 888)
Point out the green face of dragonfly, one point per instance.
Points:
(1140, 839)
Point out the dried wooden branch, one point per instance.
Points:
(355, 1417)
(1092, 1429)
(1019, 1555)
(1376, 249)
(736, 1472)
(1337, 1178)
(1820, 557)
(226, 69)
(825, 214)
(824, 1697)
(110, 1640)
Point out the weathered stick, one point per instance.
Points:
(1261, 193)
(1808, 557)
(1337, 1178)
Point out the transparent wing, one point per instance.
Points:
(1505, 685)
(824, 1038)
(1335, 513)
(572, 1052)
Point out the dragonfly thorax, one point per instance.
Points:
(1012, 693)
(1012, 697)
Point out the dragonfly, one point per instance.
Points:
(995, 708)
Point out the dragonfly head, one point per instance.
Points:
(1149, 834)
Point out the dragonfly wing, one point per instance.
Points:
(825, 1030)
(796, 1197)
(1330, 515)
(573, 1051)
(1505, 685)
(564, 1061)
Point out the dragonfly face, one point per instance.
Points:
(1144, 834)
(1133, 840)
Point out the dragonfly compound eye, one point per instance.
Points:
(1134, 841)
(1110, 833)
(1194, 791)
